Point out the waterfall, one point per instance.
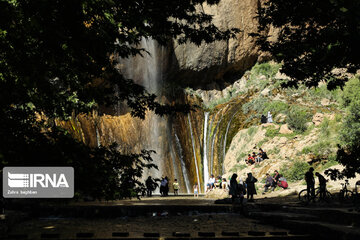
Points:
(225, 139)
(205, 160)
(182, 163)
(147, 71)
(193, 146)
(213, 143)
(97, 137)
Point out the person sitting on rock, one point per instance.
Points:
(269, 117)
(263, 119)
(250, 160)
(269, 181)
(276, 179)
(224, 184)
(212, 181)
(283, 183)
(263, 154)
(258, 158)
(217, 183)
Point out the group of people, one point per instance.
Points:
(256, 158)
(310, 184)
(238, 189)
(151, 185)
(266, 119)
(274, 181)
(217, 182)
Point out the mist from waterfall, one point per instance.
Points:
(205, 159)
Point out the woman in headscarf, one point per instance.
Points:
(269, 117)
(233, 190)
(251, 190)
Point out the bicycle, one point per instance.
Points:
(303, 196)
(345, 194)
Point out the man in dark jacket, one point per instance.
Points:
(310, 183)
(322, 183)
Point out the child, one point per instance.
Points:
(196, 192)
(176, 187)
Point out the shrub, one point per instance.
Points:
(320, 149)
(271, 132)
(296, 171)
(256, 104)
(297, 118)
(267, 69)
(275, 107)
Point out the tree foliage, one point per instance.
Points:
(349, 148)
(314, 37)
(59, 57)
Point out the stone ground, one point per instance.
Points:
(187, 214)
(161, 222)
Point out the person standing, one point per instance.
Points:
(167, 186)
(196, 190)
(163, 184)
(176, 187)
(310, 183)
(322, 183)
(251, 190)
(233, 191)
(150, 186)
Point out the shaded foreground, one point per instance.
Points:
(183, 218)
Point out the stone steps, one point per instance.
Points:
(332, 223)
(254, 235)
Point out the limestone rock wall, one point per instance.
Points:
(209, 63)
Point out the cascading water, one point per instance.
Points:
(205, 160)
(97, 137)
(193, 146)
(147, 70)
(182, 164)
(213, 143)
(225, 139)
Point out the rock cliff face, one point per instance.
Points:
(219, 61)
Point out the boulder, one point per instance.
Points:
(284, 129)
(318, 118)
(325, 102)
(265, 92)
